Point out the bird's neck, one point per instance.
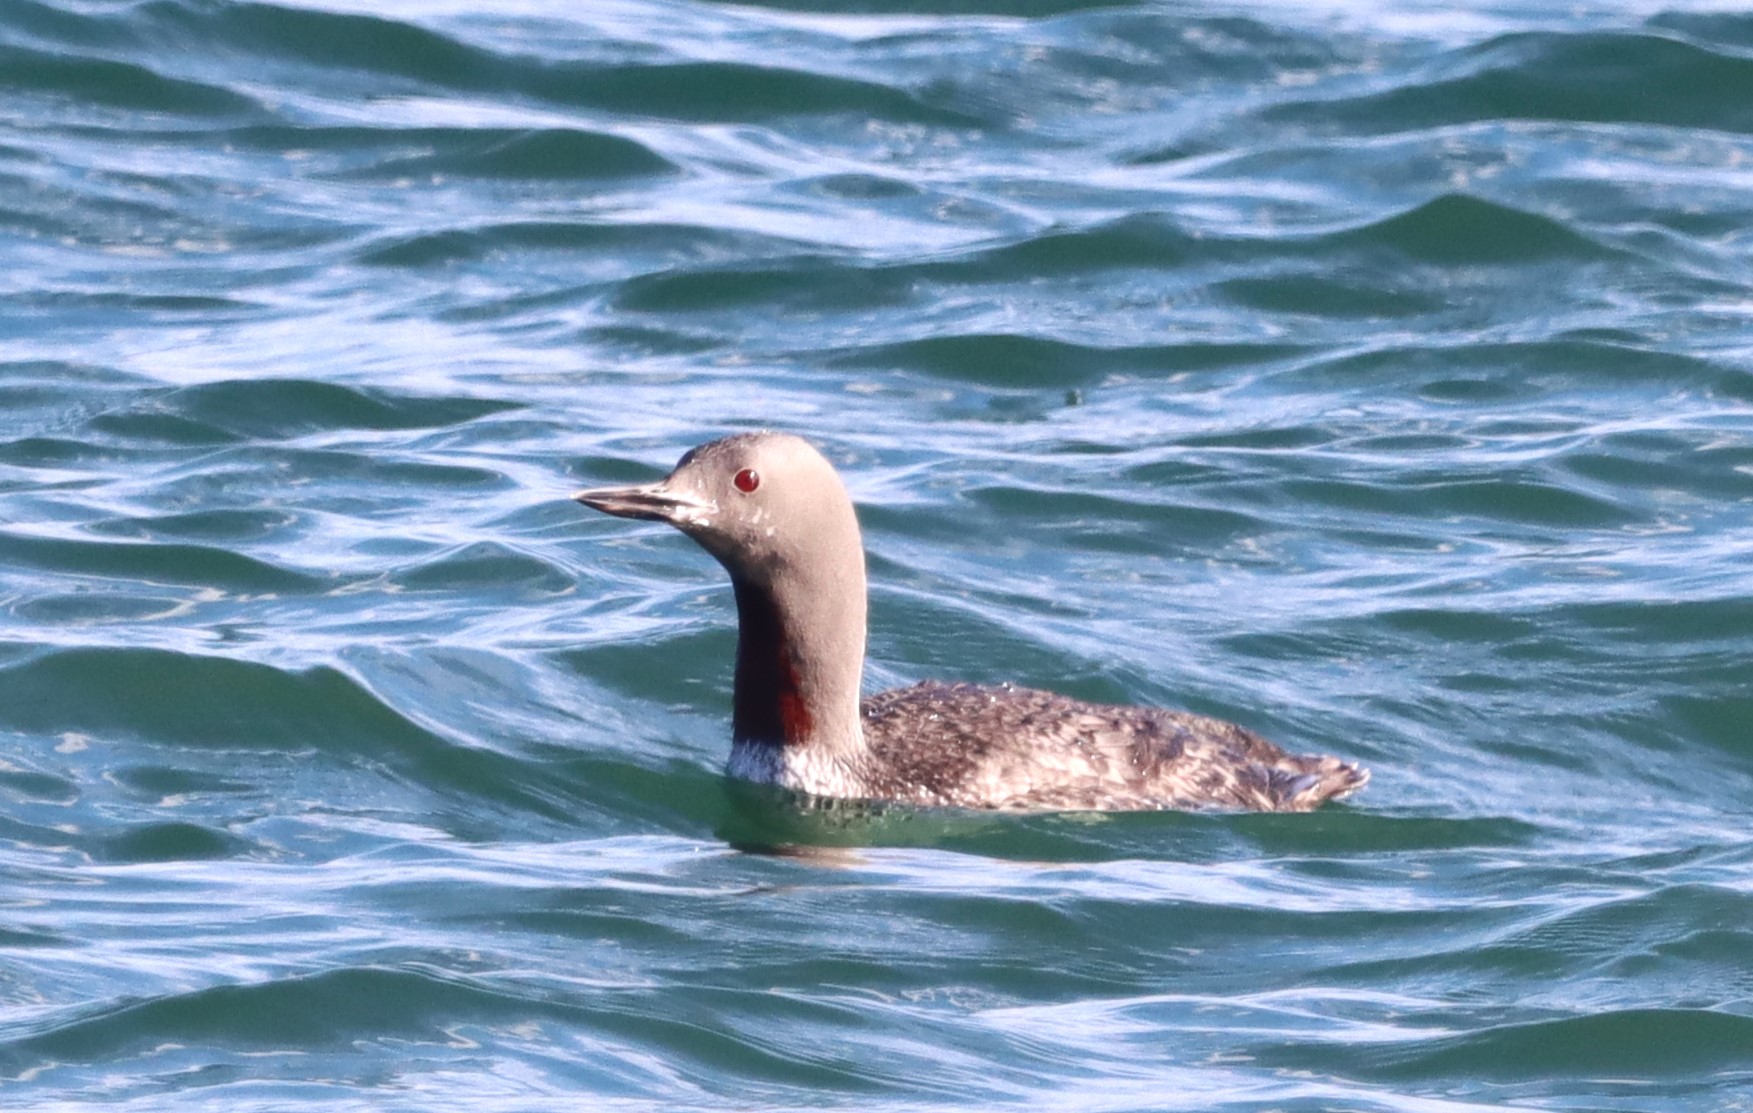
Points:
(800, 659)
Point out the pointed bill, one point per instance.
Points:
(652, 502)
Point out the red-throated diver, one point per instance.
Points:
(775, 514)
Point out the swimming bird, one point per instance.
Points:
(775, 514)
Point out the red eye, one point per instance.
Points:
(747, 480)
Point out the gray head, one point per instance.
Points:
(756, 501)
(775, 514)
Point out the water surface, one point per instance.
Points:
(1382, 383)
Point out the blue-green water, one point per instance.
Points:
(1381, 382)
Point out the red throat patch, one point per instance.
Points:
(794, 717)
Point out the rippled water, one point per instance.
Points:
(1381, 382)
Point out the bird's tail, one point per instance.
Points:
(1313, 781)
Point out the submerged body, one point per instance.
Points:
(1022, 749)
(773, 512)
